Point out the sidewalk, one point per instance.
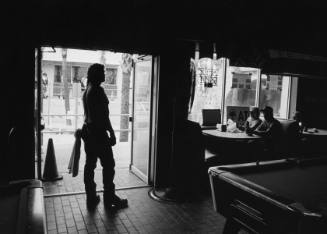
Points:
(63, 144)
(123, 178)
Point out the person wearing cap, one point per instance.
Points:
(270, 129)
(253, 121)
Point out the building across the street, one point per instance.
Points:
(76, 65)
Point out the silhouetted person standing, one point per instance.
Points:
(97, 142)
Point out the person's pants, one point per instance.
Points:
(95, 149)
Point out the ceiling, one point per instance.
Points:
(244, 31)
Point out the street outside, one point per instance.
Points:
(61, 127)
(63, 82)
(63, 146)
(55, 117)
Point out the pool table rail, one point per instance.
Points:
(254, 207)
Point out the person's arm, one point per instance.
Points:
(107, 121)
(252, 129)
(112, 133)
(261, 129)
(247, 126)
(268, 132)
(110, 129)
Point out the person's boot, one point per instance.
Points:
(113, 201)
(92, 201)
(119, 202)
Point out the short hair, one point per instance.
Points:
(254, 110)
(268, 110)
(94, 72)
(232, 113)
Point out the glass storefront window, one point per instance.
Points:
(275, 93)
(241, 90)
(208, 87)
(241, 86)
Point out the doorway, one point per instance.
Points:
(129, 85)
(141, 122)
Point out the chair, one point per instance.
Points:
(289, 142)
(187, 169)
(210, 118)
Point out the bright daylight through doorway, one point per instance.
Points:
(63, 80)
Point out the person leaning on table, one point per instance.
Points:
(253, 121)
(270, 130)
(231, 122)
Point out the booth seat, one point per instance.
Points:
(289, 144)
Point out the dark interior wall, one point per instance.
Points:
(312, 101)
(17, 90)
(18, 110)
(23, 111)
(5, 113)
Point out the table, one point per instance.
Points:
(232, 147)
(320, 132)
(22, 208)
(230, 135)
(280, 196)
(315, 142)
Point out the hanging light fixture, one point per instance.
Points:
(197, 52)
(214, 54)
(207, 69)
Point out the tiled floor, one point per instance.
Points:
(123, 178)
(68, 214)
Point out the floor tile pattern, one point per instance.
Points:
(68, 214)
(123, 178)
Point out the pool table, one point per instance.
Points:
(280, 196)
(22, 208)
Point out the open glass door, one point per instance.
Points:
(37, 111)
(141, 118)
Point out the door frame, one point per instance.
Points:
(149, 178)
(153, 115)
(37, 110)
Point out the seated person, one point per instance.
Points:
(270, 129)
(298, 117)
(231, 123)
(305, 143)
(253, 121)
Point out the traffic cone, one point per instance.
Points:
(50, 171)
